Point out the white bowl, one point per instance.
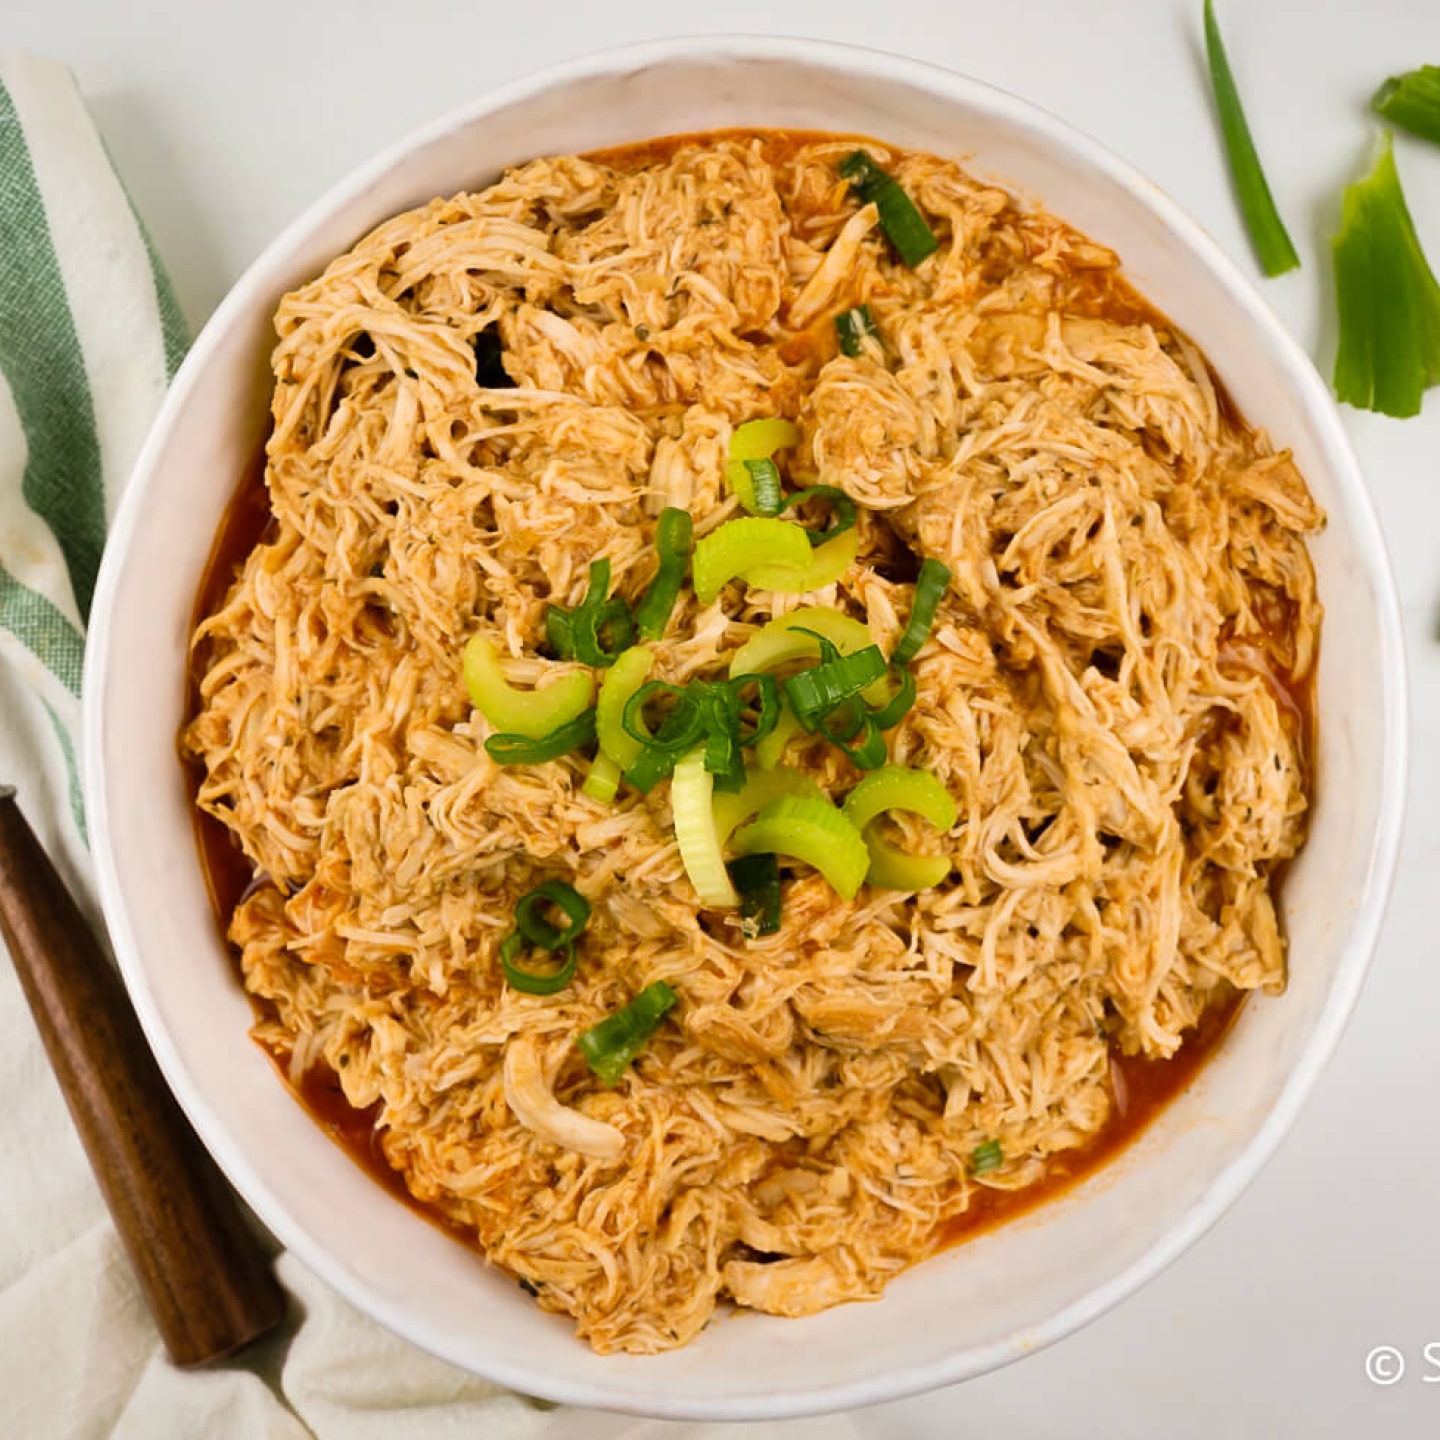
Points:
(976, 1307)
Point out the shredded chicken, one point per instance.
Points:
(1109, 693)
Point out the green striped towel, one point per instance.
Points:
(90, 334)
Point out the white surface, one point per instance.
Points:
(1268, 1321)
(977, 1307)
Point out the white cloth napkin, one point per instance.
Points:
(89, 337)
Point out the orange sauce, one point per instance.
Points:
(777, 146)
(247, 521)
(1147, 1085)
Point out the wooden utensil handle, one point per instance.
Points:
(208, 1281)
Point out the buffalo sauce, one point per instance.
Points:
(248, 521)
(1147, 1085)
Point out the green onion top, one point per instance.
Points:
(1267, 231)
(532, 928)
(610, 1046)
(765, 486)
(757, 879)
(930, 586)
(986, 1157)
(512, 749)
(842, 510)
(530, 920)
(673, 539)
(723, 759)
(721, 712)
(558, 635)
(897, 707)
(816, 692)
(853, 328)
(766, 707)
(1388, 298)
(598, 629)
(535, 982)
(679, 729)
(904, 226)
(855, 732)
(1412, 101)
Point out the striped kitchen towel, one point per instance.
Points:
(90, 334)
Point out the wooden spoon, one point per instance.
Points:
(203, 1269)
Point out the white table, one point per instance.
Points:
(223, 133)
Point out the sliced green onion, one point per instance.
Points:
(842, 507)
(854, 328)
(621, 681)
(897, 707)
(930, 586)
(917, 792)
(678, 730)
(558, 634)
(767, 705)
(860, 740)
(765, 486)
(605, 636)
(724, 762)
(603, 626)
(1412, 101)
(602, 781)
(739, 547)
(533, 925)
(1389, 302)
(845, 721)
(986, 1157)
(610, 1046)
(535, 982)
(517, 749)
(673, 536)
(652, 767)
(696, 832)
(797, 636)
(1267, 231)
(817, 632)
(816, 692)
(722, 737)
(757, 878)
(813, 831)
(756, 440)
(904, 226)
(521, 712)
(598, 629)
(827, 564)
(762, 788)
